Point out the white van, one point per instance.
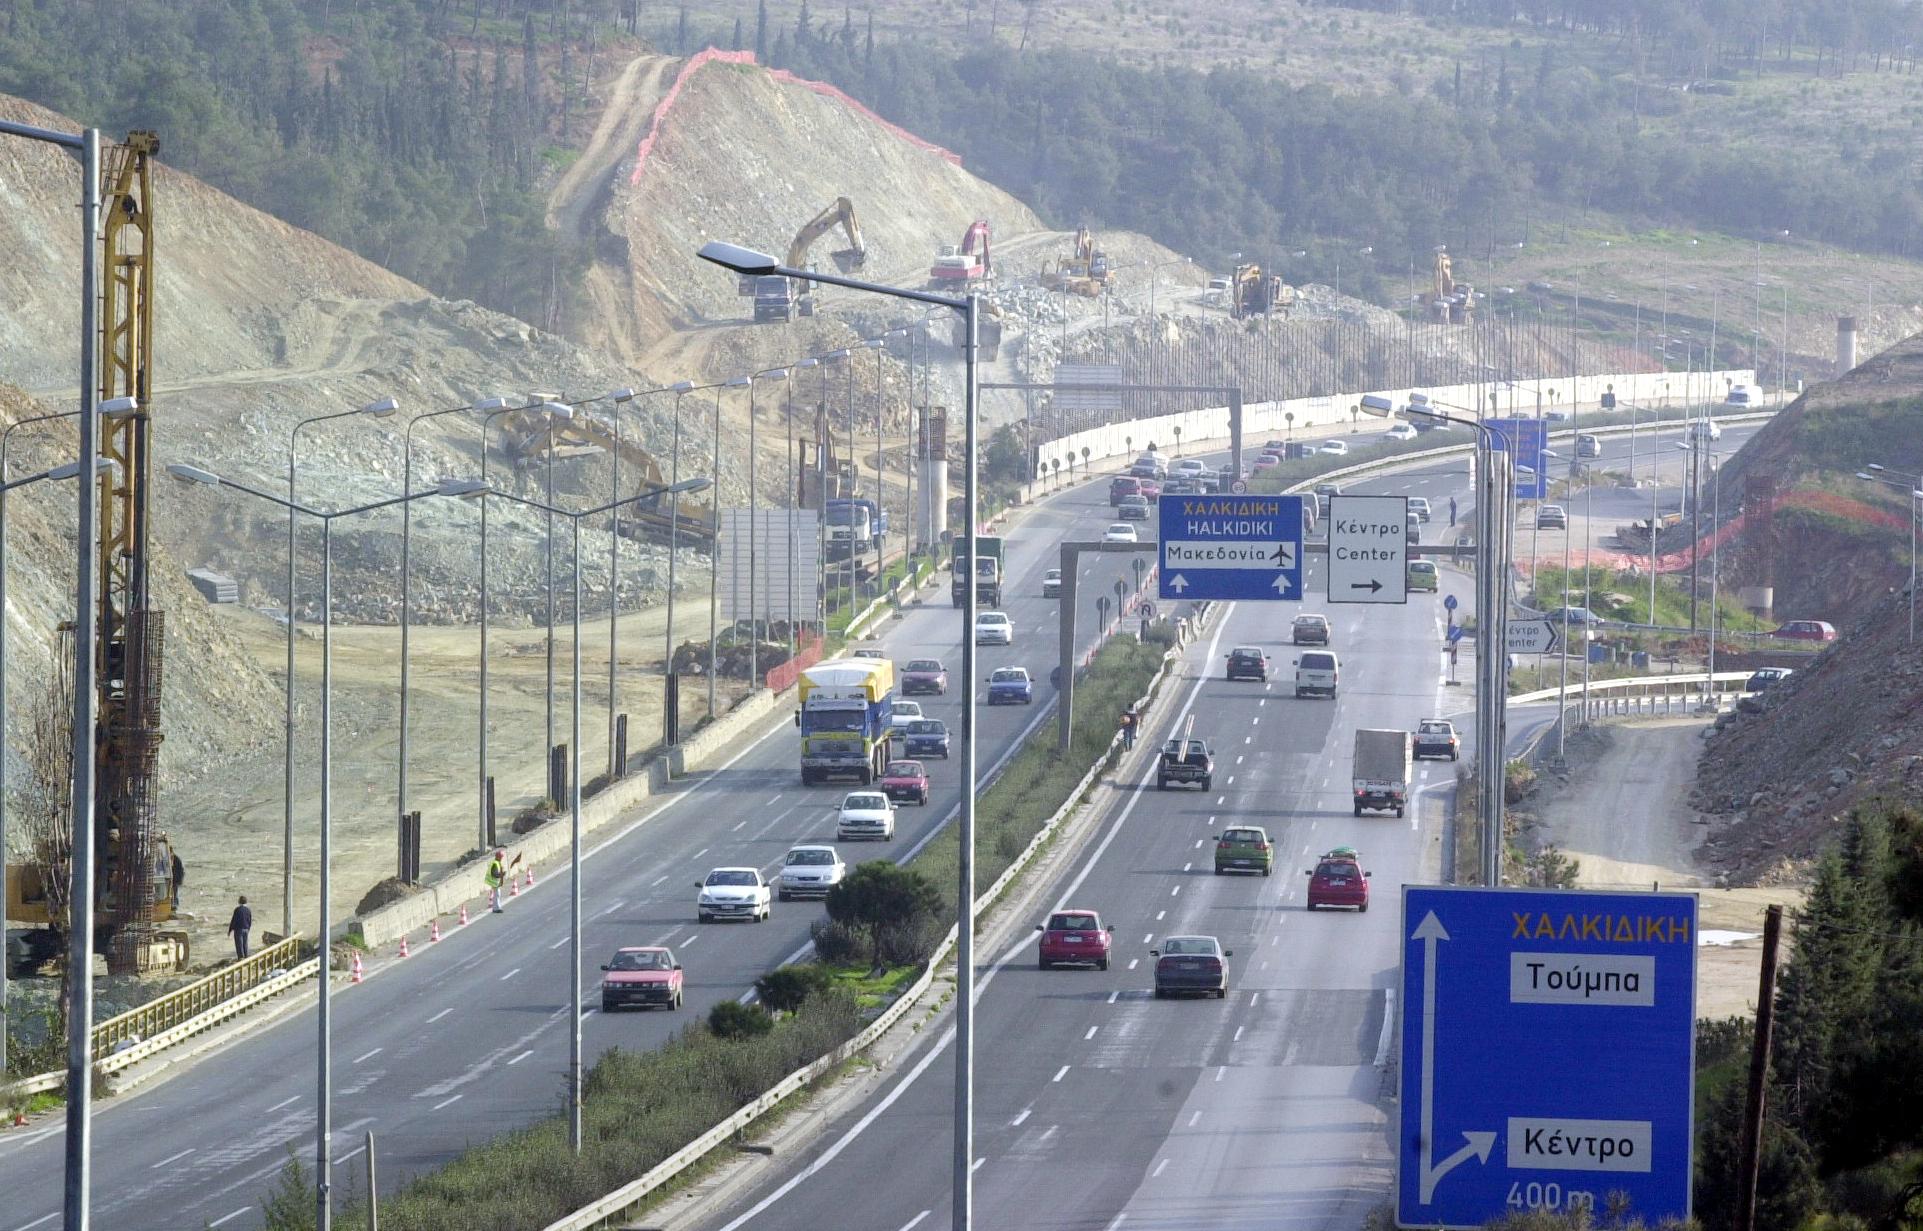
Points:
(1317, 672)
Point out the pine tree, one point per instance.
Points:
(734, 44)
(761, 32)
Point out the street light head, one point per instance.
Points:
(381, 409)
(810, 362)
(559, 410)
(1874, 466)
(486, 404)
(839, 353)
(465, 489)
(101, 465)
(119, 408)
(689, 485)
(1866, 476)
(681, 386)
(193, 474)
(738, 382)
(735, 257)
(620, 395)
(773, 374)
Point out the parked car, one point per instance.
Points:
(810, 871)
(1246, 662)
(1123, 485)
(1576, 615)
(1317, 671)
(1310, 629)
(905, 712)
(1191, 965)
(1335, 448)
(1074, 937)
(1436, 737)
(924, 676)
(905, 782)
(865, 814)
(1422, 576)
(734, 893)
(1132, 508)
(1400, 431)
(927, 738)
(1552, 517)
(1338, 880)
(1245, 848)
(994, 628)
(1052, 583)
(1010, 686)
(1419, 505)
(1806, 630)
(1763, 677)
(640, 976)
(1120, 532)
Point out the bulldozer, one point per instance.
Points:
(1448, 301)
(1253, 293)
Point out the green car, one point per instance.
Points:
(1423, 576)
(1244, 849)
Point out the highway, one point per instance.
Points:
(1099, 1107)
(1095, 1100)
(468, 1038)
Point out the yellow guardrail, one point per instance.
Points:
(165, 1012)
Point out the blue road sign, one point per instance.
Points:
(1449, 602)
(1455, 633)
(1526, 440)
(1548, 1053)
(1230, 547)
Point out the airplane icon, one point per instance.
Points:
(1283, 556)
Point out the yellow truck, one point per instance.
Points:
(846, 719)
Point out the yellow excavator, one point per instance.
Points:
(847, 260)
(1086, 273)
(1253, 293)
(1449, 301)
(525, 437)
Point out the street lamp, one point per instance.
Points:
(323, 1129)
(838, 355)
(1914, 485)
(1696, 447)
(747, 261)
(714, 572)
(574, 778)
(670, 702)
(754, 533)
(380, 408)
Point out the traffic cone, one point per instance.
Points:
(514, 887)
(434, 937)
(464, 914)
(530, 876)
(357, 968)
(403, 944)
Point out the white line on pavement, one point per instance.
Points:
(286, 1102)
(1090, 1034)
(1160, 915)
(978, 1164)
(510, 974)
(1388, 1027)
(1255, 998)
(1132, 961)
(1060, 1073)
(1025, 1113)
(1159, 1169)
(223, 1218)
(172, 1158)
(915, 1220)
(657, 880)
(369, 1055)
(557, 944)
(430, 1021)
(611, 907)
(448, 1102)
(524, 1055)
(1195, 1117)
(1238, 1035)
(1219, 1072)
(1112, 996)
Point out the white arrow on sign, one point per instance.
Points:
(1429, 931)
(1282, 585)
(1531, 637)
(1178, 583)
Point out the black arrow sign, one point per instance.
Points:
(1371, 585)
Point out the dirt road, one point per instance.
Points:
(1624, 815)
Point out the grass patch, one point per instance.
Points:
(1618, 595)
(872, 991)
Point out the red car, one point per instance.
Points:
(1150, 490)
(642, 976)
(1266, 462)
(1074, 938)
(906, 781)
(1338, 880)
(1807, 630)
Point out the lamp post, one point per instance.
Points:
(878, 345)
(485, 405)
(754, 533)
(67, 471)
(1912, 484)
(380, 408)
(747, 261)
(838, 355)
(323, 1129)
(619, 398)
(795, 482)
(574, 778)
(714, 572)
(1697, 446)
(671, 703)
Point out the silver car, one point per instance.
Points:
(810, 872)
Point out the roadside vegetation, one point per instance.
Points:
(1623, 596)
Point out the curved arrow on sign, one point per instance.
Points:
(1429, 931)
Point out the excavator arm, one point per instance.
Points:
(525, 437)
(841, 213)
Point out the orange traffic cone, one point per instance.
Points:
(434, 937)
(357, 968)
(514, 887)
(464, 914)
(530, 876)
(403, 945)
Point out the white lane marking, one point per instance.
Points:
(691, 938)
(1263, 964)
(288, 1102)
(738, 825)
(223, 1218)
(1231, 779)
(1060, 1073)
(1238, 1035)
(1188, 865)
(704, 850)
(1259, 704)
(1247, 739)
(509, 975)
(916, 1219)
(430, 1021)
(1198, 844)
(350, 1155)
(1132, 961)
(1047, 1133)
(1147, 937)
(1118, 1221)
(1197, 1116)
(1017, 1121)
(1219, 1073)
(773, 800)
(1090, 1034)
(557, 944)
(50, 1217)
(1218, 803)
(524, 1055)
(1238, 759)
(1160, 915)
(1112, 996)
(1255, 998)
(978, 1164)
(1388, 1026)
(1159, 1169)
(611, 907)
(657, 880)
(1173, 890)
(369, 1055)
(1257, 721)
(172, 1158)
(448, 1102)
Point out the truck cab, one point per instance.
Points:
(774, 299)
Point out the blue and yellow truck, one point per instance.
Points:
(846, 719)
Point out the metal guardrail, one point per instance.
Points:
(1643, 696)
(165, 1012)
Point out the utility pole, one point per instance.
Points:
(1751, 1162)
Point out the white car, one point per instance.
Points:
(1335, 448)
(1120, 532)
(1419, 505)
(1399, 431)
(1189, 467)
(810, 871)
(1705, 428)
(865, 814)
(906, 712)
(994, 628)
(734, 893)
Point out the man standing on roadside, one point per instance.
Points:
(1452, 510)
(1128, 729)
(241, 924)
(495, 875)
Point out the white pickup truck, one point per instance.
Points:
(1381, 771)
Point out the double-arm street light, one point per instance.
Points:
(1696, 446)
(574, 777)
(1877, 472)
(323, 1130)
(754, 533)
(747, 261)
(380, 408)
(714, 556)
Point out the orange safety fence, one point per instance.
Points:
(787, 673)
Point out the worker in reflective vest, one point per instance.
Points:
(496, 873)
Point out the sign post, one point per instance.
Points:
(1548, 1054)
(1368, 549)
(1235, 547)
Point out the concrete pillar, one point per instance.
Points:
(1845, 344)
(931, 499)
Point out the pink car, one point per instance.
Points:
(1074, 938)
(641, 976)
(906, 781)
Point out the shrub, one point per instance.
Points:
(835, 943)
(785, 988)
(733, 1020)
(881, 896)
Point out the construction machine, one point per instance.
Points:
(1084, 272)
(847, 260)
(1253, 293)
(133, 864)
(527, 436)
(1448, 301)
(966, 263)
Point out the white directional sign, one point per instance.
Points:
(1368, 549)
(1531, 636)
